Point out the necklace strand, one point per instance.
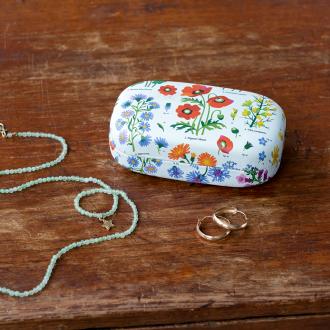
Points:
(104, 188)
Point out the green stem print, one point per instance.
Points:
(201, 116)
(253, 175)
(258, 111)
(144, 165)
(206, 170)
(153, 83)
(132, 126)
(190, 160)
(136, 117)
(233, 114)
(207, 118)
(200, 110)
(144, 162)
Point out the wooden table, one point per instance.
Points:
(62, 65)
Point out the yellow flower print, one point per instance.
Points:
(280, 135)
(258, 112)
(245, 113)
(233, 114)
(275, 155)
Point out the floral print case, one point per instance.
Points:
(197, 133)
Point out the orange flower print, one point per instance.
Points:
(167, 90)
(205, 159)
(195, 90)
(219, 101)
(188, 111)
(225, 145)
(179, 151)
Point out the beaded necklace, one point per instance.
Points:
(101, 216)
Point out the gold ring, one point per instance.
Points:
(210, 237)
(223, 222)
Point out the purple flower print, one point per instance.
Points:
(241, 178)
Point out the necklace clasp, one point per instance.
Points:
(3, 130)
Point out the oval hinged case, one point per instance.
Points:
(197, 133)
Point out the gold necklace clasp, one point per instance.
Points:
(3, 130)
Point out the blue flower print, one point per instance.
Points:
(127, 114)
(157, 162)
(175, 172)
(133, 161)
(161, 143)
(126, 104)
(262, 141)
(195, 166)
(196, 177)
(136, 116)
(123, 137)
(138, 97)
(147, 115)
(150, 168)
(153, 105)
(119, 124)
(145, 140)
(262, 156)
(144, 126)
(218, 174)
(229, 165)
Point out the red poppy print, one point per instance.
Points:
(225, 145)
(201, 103)
(167, 90)
(188, 111)
(195, 90)
(219, 101)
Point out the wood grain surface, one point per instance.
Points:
(62, 66)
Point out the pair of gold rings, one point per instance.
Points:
(220, 219)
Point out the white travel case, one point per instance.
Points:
(197, 133)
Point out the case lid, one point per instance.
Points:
(198, 124)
